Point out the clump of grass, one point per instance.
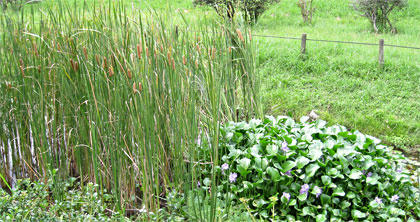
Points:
(118, 98)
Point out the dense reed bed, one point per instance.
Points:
(122, 99)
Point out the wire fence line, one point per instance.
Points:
(335, 41)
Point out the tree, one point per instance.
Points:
(378, 12)
(251, 9)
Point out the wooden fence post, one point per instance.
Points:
(303, 44)
(381, 52)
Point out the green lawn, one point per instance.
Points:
(343, 81)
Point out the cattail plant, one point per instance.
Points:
(133, 135)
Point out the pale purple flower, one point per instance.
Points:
(288, 173)
(304, 189)
(225, 166)
(232, 177)
(286, 195)
(369, 174)
(284, 147)
(319, 189)
(378, 200)
(198, 184)
(399, 170)
(395, 198)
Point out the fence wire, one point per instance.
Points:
(335, 41)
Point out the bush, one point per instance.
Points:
(378, 11)
(251, 9)
(306, 10)
(306, 171)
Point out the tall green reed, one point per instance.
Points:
(119, 97)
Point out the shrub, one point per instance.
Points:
(306, 171)
(306, 10)
(251, 9)
(378, 12)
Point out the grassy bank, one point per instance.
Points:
(343, 81)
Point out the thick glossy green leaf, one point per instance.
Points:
(244, 163)
(302, 161)
(288, 165)
(321, 218)
(274, 173)
(355, 174)
(326, 180)
(311, 170)
(339, 192)
(303, 197)
(272, 149)
(358, 214)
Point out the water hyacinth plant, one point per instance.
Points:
(327, 173)
(119, 98)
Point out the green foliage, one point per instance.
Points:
(315, 172)
(251, 9)
(33, 200)
(378, 12)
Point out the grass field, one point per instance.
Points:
(343, 82)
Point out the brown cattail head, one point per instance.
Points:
(173, 64)
(230, 49)
(111, 71)
(85, 52)
(35, 50)
(76, 66)
(140, 87)
(213, 53)
(21, 62)
(97, 59)
(169, 56)
(134, 87)
(241, 37)
(139, 51)
(198, 49)
(147, 52)
(58, 46)
(129, 75)
(73, 67)
(250, 35)
(105, 64)
(39, 69)
(22, 71)
(196, 64)
(184, 61)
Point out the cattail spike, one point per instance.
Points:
(111, 71)
(85, 52)
(240, 35)
(140, 87)
(139, 51)
(129, 75)
(184, 61)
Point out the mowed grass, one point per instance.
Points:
(342, 81)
